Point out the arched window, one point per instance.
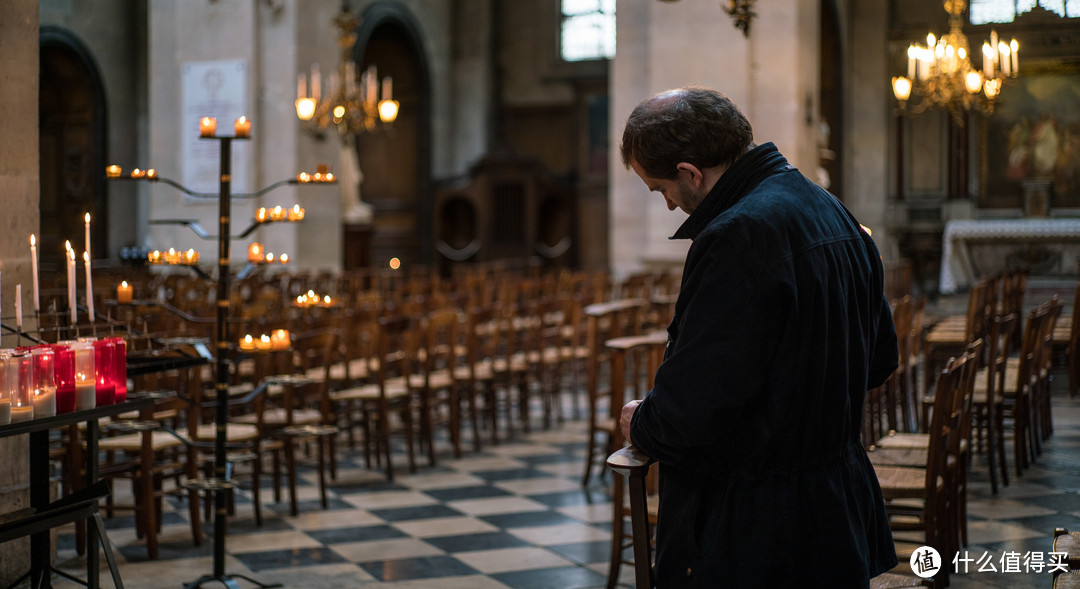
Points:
(982, 12)
(588, 30)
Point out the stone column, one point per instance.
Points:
(19, 178)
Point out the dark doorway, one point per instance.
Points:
(71, 104)
(395, 161)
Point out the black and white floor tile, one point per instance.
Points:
(516, 516)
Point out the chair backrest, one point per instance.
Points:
(998, 349)
(944, 426)
(635, 359)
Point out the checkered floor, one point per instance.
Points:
(516, 515)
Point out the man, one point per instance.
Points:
(780, 328)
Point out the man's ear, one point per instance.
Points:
(696, 176)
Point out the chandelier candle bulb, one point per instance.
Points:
(87, 219)
(316, 82)
(124, 293)
(207, 127)
(18, 307)
(1014, 48)
(242, 127)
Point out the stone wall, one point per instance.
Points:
(20, 193)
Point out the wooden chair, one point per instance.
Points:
(605, 321)
(934, 514)
(387, 397)
(435, 382)
(948, 337)
(1017, 392)
(635, 360)
(988, 399)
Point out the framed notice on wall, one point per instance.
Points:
(215, 89)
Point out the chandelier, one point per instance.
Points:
(942, 76)
(354, 103)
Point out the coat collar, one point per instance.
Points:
(747, 172)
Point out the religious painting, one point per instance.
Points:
(1031, 152)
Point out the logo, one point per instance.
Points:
(925, 562)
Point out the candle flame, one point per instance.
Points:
(33, 240)
(123, 283)
(86, 257)
(87, 217)
(67, 245)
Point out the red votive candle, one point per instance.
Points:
(104, 385)
(64, 371)
(120, 368)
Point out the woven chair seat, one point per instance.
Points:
(890, 580)
(234, 432)
(395, 388)
(159, 440)
(902, 482)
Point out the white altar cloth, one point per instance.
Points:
(957, 269)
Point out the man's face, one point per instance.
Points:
(678, 192)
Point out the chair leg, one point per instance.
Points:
(618, 491)
(322, 443)
(290, 459)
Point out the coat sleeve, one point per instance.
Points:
(886, 351)
(718, 361)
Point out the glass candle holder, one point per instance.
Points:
(19, 375)
(120, 368)
(44, 386)
(104, 385)
(64, 378)
(5, 395)
(85, 389)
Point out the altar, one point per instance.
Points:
(974, 247)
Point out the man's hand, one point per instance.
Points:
(625, 417)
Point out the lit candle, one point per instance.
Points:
(255, 253)
(248, 343)
(89, 287)
(303, 177)
(264, 343)
(1014, 50)
(45, 402)
(242, 126)
(911, 62)
(284, 258)
(207, 126)
(85, 393)
(278, 214)
(22, 413)
(124, 292)
(113, 171)
(18, 307)
(137, 173)
(269, 257)
(34, 270)
(316, 82)
(296, 213)
(151, 174)
(279, 340)
(71, 281)
(87, 219)
(261, 215)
